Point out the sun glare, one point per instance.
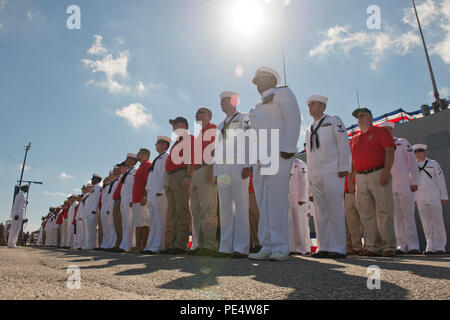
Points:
(247, 16)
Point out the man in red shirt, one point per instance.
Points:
(178, 218)
(203, 187)
(373, 157)
(141, 215)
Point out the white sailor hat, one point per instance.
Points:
(229, 94)
(317, 97)
(116, 166)
(96, 176)
(132, 155)
(419, 147)
(387, 124)
(264, 71)
(164, 138)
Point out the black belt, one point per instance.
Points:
(199, 166)
(371, 170)
(176, 170)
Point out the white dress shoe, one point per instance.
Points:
(279, 256)
(261, 255)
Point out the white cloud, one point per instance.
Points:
(444, 93)
(29, 15)
(378, 45)
(2, 4)
(141, 88)
(109, 65)
(56, 194)
(135, 114)
(97, 48)
(66, 176)
(26, 167)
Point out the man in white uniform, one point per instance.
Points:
(430, 197)
(126, 199)
(70, 226)
(106, 213)
(17, 216)
(298, 209)
(404, 183)
(90, 214)
(328, 157)
(157, 200)
(79, 239)
(276, 114)
(232, 179)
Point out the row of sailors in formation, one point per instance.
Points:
(348, 186)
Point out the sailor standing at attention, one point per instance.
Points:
(328, 156)
(232, 179)
(90, 214)
(430, 197)
(17, 215)
(405, 177)
(278, 115)
(157, 199)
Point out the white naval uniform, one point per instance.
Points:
(90, 218)
(109, 233)
(428, 197)
(299, 232)
(47, 232)
(39, 239)
(79, 239)
(70, 228)
(157, 205)
(232, 189)
(272, 191)
(404, 175)
(20, 203)
(324, 163)
(126, 197)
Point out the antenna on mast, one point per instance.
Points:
(284, 68)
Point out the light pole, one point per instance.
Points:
(433, 81)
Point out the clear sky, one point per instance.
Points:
(85, 98)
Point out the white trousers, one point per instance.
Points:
(63, 233)
(79, 238)
(39, 239)
(158, 208)
(48, 237)
(433, 224)
(405, 222)
(109, 234)
(14, 233)
(70, 235)
(234, 211)
(329, 213)
(299, 233)
(127, 225)
(272, 196)
(90, 234)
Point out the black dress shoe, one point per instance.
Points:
(320, 254)
(429, 253)
(400, 252)
(238, 255)
(255, 249)
(336, 255)
(148, 252)
(440, 252)
(415, 251)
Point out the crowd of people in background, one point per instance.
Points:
(361, 193)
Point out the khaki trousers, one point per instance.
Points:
(117, 216)
(375, 204)
(179, 218)
(204, 209)
(353, 224)
(254, 219)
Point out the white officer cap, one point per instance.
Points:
(164, 138)
(266, 70)
(96, 176)
(132, 155)
(317, 97)
(387, 124)
(420, 146)
(229, 94)
(116, 166)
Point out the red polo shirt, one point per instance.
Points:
(206, 137)
(140, 181)
(170, 165)
(116, 194)
(368, 149)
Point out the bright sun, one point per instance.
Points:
(247, 16)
